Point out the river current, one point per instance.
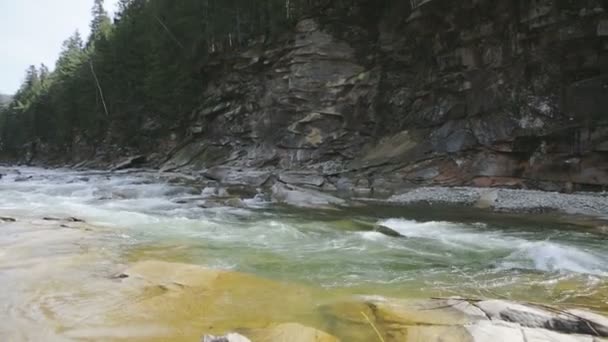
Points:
(60, 283)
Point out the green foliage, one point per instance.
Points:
(146, 65)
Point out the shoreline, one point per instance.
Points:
(315, 190)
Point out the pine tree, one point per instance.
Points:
(101, 25)
(145, 65)
(71, 57)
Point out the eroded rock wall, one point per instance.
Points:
(379, 95)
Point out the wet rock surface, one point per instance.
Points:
(232, 337)
(454, 319)
(305, 198)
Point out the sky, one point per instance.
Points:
(32, 31)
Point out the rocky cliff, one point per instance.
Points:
(374, 96)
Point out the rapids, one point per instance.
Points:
(59, 282)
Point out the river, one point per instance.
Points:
(62, 281)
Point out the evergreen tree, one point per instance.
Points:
(101, 25)
(144, 66)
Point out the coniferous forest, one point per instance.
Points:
(146, 62)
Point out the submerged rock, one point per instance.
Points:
(287, 332)
(290, 332)
(7, 219)
(304, 198)
(67, 219)
(387, 231)
(189, 299)
(23, 178)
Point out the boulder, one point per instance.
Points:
(7, 219)
(456, 319)
(67, 219)
(23, 178)
(304, 198)
(387, 231)
(495, 331)
(302, 178)
(500, 331)
(232, 337)
(573, 322)
(131, 162)
(237, 176)
(184, 156)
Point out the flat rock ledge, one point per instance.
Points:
(466, 320)
(438, 320)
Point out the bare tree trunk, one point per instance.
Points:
(238, 26)
(169, 32)
(103, 101)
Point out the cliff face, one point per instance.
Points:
(475, 92)
(378, 95)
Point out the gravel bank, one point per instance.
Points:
(593, 204)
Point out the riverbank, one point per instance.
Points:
(231, 186)
(146, 256)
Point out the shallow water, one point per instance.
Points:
(58, 281)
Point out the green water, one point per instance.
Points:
(61, 278)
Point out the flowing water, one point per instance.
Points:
(59, 282)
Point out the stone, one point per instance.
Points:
(544, 335)
(290, 332)
(302, 178)
(457, 319)
(67, 219)
(23, 178)
(439, 333)
(184, 156)
(235, 203)
(486, 331)
(599, 322)
(602, 147)
(232, 337)
(387, 150)
(532, 317)
(131, 162)
(452, 137)
(304, 198)
(7, 219)
(237, 176)
(510, 332)
(189, 300)
(387, 231)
